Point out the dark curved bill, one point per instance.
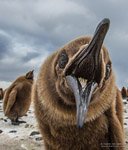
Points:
(90, 54)
(82, 97)
(92, 50)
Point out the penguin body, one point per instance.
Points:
(17, 98)
(1, 93)
(124, 93)
(58, 92)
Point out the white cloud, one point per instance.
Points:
(4, 84)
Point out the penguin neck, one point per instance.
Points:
(66, 114)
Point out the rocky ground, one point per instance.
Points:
(126, 122)
(22, 137)
(26, 136)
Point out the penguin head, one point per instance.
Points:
(82, 67)
(1, 93)
(30, 75)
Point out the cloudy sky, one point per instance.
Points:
(30, 30)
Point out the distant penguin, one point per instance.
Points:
(17, 98)
(77, 103)
(124, 93)
(1, 93)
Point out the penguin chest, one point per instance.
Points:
(92, 135)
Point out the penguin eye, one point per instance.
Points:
(108, 71)
(63, 59)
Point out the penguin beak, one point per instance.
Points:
(86, 68)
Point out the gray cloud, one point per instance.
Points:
(5, 44)
(33, 29)
(30, 55)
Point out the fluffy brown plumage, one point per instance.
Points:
(55, 106)
(17, 98)
(1, 93)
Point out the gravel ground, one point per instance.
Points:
(27, 137)
(22, 137)
(126, 122)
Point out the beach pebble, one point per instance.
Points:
(29, 111)
(38, 139)
(28, 126)
(125, 103)
(5, 120)
(34, 133)
(125, 111)
(12, 131)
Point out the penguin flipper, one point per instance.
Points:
(11, 100)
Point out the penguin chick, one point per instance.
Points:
(124, 93)
(77, 103)
(1, 93)
(17, 98)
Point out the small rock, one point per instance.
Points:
(31, 126)
(126, 117)
(125, 103)
(125, 123)
(5, 120)
(125, 111)
(13, 131)
(38, 138)
(27, 126)
(34, 133)
(1, 131)
(21, 139)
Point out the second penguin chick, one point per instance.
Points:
(1, 93)
(17, 98)
(124, 93)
